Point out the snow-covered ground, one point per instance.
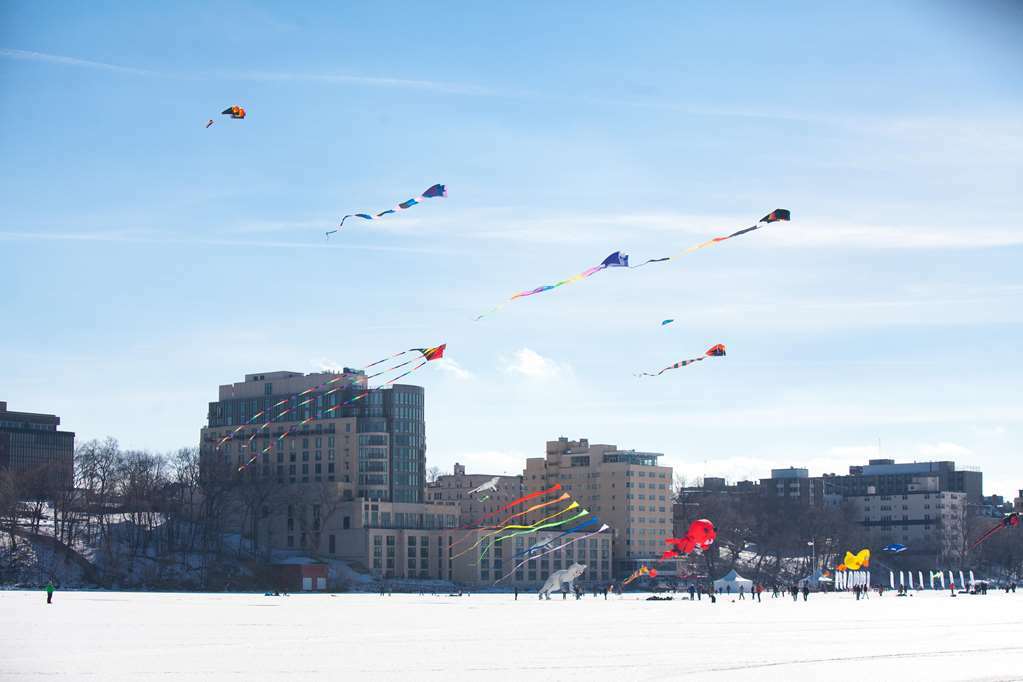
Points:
(142, 636)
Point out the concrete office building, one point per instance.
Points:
(31, 442)
(925, 518)
(793, 485)
(887, 477)
(626, 489)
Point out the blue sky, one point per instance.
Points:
(144, 260)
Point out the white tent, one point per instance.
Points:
(734, 581)
(815, 579)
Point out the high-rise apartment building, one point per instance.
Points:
(455, 487)
(321, 427)
(32, 442)
(626, 489)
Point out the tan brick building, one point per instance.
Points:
(455, 488)
(626, 489)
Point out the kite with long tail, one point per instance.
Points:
(621, 260)
(1010, 521)
(570, 507)
(615, 260)
(715, 351)
(535, 529)
(519, 565)
(425, 356)
(531, 496)
(431, 193)
(546, 543)
(639, 572)
(778, 214)
(294, 427)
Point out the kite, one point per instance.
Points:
(621, 260)
(499, 526)
(1010, 521)
(854, 562)
(716, 351)
(561, 580)
(504, 527)
(536, 528)
(489, 485)
(701, 536)
(666, 322)
(540, 545)
(554, 488)
(641, 571)
(519, 565)
(293, 427)
(307, 391)
(234, 112)
(431, 193)
(772, 217)
(615, 260)
(425, 354)
(894, 548)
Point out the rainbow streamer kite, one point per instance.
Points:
(431, 193)
(615, 260)
(621, 260)
(546, 543)
(519, 565)
(539, 493)
(716, 351)
(529, 527)
(537, 529)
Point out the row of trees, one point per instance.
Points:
(778, 541)
(126, 509)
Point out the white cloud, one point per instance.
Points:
(528, 363)
(451, 367)
(271, 76)
(944, 449)
(329, 366)
(374, 81)
(27, 55)
(128, 237)
(855, 453)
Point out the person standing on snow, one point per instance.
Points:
(49, 592)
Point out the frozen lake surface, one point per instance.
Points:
(142, 636)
